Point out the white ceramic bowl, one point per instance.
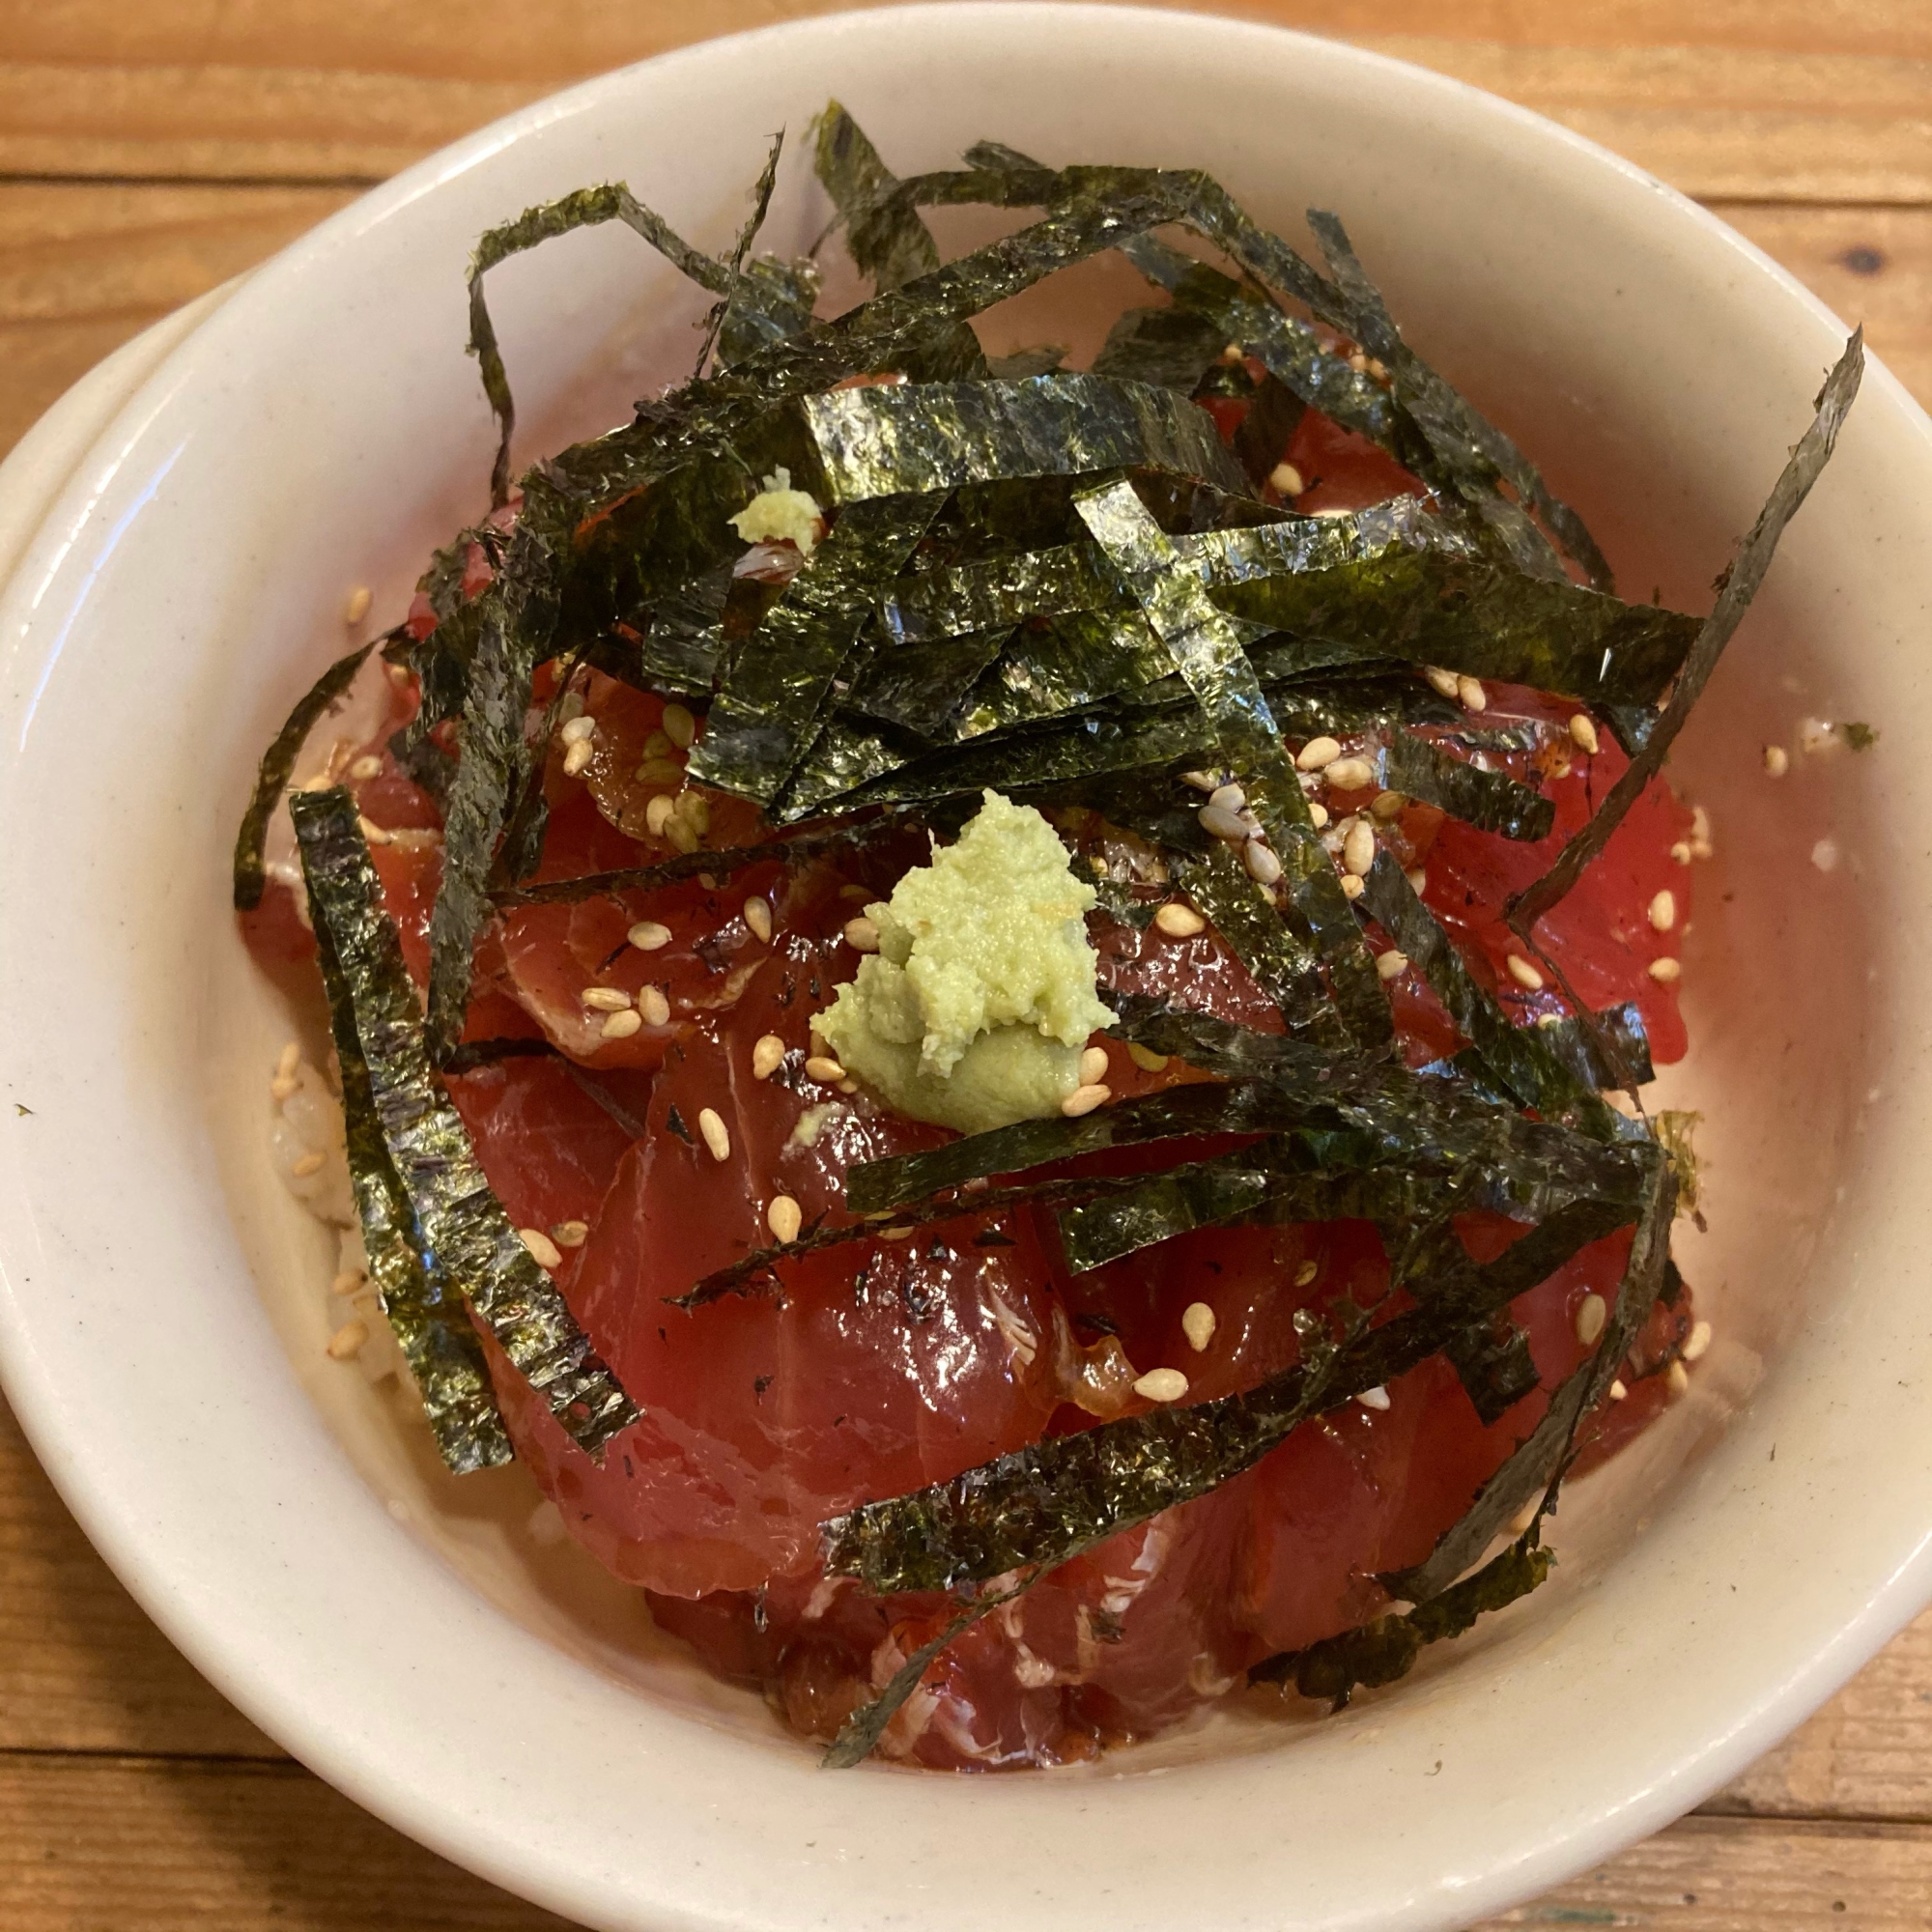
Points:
(160, 1321)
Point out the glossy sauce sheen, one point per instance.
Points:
(883, 1365)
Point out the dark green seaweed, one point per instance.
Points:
(1490, 801)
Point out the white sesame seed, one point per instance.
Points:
(577, 731)
(1351, 886)
(1442, 682)
(1583, 732)
(1161, 1385)
(1286, 480)
(309, 1163)
(1617, 1390)
(1697, 1341)
(367, 766)
(822, 1068)
(1678, 1377)
(654, 1005)
(282, 1086)
(543, 1250)
(862, 934)
(1202, 781)
(1470, 691)
(621, 1026)
(1220, 824)
(658, 746)
(1180, 922)
(1418, 881)
(372, 832)
(605, 999)
(348, 1282)
(1700, 823)
(1681, 851)
(1523, 973)
(1391, 965)
(1358, 362)
(660, 772)
(1197, 1324)
(679, 726)
(1824, 855)
(357, 607)
(1229, 797)
(1318, 815)
(1666, 972)
(1358, 848)
(1305, 1273)
(1092, 1066)
(1259, 857)
(694, 809)
(1547, 1022)
(1386, 805)
(348, 1340)
(658, 815)
(848, 1086)
(784, 1217)
(1377, 1398)
(1146, 1058)
(649, 936)
(288, 1060)
(1349, 775)
(1663, 911)
(1085, 1099)
(758, 916)
(1232, 353)
(767, 1056)
(1317, 754)
(1777, 761)
(570, 1234)
(1377, 368)
(1592, 1313)
(576, 756)
(716, 1135)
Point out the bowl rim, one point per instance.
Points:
(1903, 1583)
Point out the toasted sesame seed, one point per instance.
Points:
(1678, 1378)
(1349, 775)
(1386, 805)
(1444, 683)
(1617, 1390)
(543, 1250)
(1418, 881)
(1592, 1313)
(1180, 922)
(282, 1086)
(1700, 823)
(1700, 848)
(1377, 1398)
(1666, 972)
(649, 936)
(1777, 761)
(1161, 1385)
(309, 1163)
(348, 1340)
(758, 916)
(1352, 887)
(658, 813)
(576, 754)
(660, 772)
(862, 934)
(1663, 911)
(1305, 1273)
(1259, 857)
(1317, 754)
(1547, 1021)
(576, 731)
(357, 607)
(570, 1234)
(1391, 965)
(694, 809)
(1229, 797)
(716, 1135)
(1197, 1324)
(895, 1234)
(1092, 1066)
(679, 726)
(1681, 851)
(367, 766)
(1286, 480)
(372, 832)
(767, 1056)
(848, 1086)
(1146, 1058)
(1318, 815)
(348, 1282)
(1358, 848)
(822, 1068)
(1583, 732)
(1377, 368)
(1472, 695)
(605, 999)
(1697, 1341)
(654, 1005)
(400, 675)
(1202, 781)
(1232, 353)
(658, 746)
(288, 1060)
(1085, 1097)
(1358, 362)
(784, 1217)
(621, 1026)
(1220, 824)
(1523, 973)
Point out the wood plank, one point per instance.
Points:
(1774, 104)
(143, 1847)
(81, 1668)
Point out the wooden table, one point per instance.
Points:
(148, 153)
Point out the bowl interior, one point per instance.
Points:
(494, 1691)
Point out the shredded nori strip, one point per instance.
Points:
(1490, 801)
(278, 763)
(1738, 585)
(459, 1224)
